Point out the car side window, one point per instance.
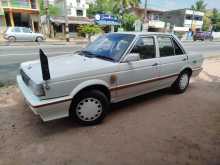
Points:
(145, 46)
(26, 30)
(165, 46)
(178, 50)
(16, 30)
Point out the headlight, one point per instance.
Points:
(38, 89)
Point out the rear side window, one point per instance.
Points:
(16, 30)
(177, 49)
(26, 30)
(145, 47)
(165, 46)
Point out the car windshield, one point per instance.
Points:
(109, 47)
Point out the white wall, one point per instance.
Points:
(74, 6)
(216, 34)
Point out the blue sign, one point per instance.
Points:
(105, 19)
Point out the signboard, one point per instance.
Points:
(105, 19)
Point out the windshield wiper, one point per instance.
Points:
(86, 53)
(105, 57)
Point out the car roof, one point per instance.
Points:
(144, 33)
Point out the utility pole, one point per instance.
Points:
(66, 22)
(46, 4)
(145, 27)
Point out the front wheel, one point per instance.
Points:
(39, 39)
(182, 82)
(11, 39)
(89, 107)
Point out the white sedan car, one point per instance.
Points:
(115, 67)
(13, 34)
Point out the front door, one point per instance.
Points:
(172, 60)
(135, 78)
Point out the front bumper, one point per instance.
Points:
(49, 109)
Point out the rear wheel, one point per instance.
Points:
(11, 39)
(89, 107)
(182, 82)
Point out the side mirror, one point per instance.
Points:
(132, 57)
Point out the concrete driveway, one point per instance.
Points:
(158, 128)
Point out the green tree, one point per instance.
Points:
(101, 6)
(128, 21)
(127, 3)
(52, 9)
(215, 16)
(199, 6)
(111, 6)
(206, 22)
(90, 30)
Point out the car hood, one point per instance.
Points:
(68, 67)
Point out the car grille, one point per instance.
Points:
(25, 77)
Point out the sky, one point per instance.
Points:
(178, 4)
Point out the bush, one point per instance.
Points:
(90, 30)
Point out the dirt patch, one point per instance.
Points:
(158, 128)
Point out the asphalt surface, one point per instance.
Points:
(12, 56)
(160, 128)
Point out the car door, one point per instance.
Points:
(135, 78)
(27, 34)
(172, 60)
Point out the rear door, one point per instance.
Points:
(172, 59)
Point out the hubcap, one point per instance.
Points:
(184, 81)
(89, 109)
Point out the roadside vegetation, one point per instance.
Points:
(211, 18)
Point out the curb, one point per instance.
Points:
(42, 43)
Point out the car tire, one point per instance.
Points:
(11, 39)
(89, 107)
(39, 39)
(181, 83)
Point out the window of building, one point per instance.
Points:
(77, 1)
(165, 46)
(79, 12)
(145, 47)
(189, 17)
(198, 18)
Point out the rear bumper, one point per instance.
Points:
(47, 109)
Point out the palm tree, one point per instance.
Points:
(124, 4)
(199, 5)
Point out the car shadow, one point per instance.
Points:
(62, 125)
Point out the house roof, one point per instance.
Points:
(71, 20)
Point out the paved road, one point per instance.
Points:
(12, 56)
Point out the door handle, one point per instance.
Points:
(155, 64)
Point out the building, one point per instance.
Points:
(154, 22)
(76, 13)
(185, 18)
(19, 13)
